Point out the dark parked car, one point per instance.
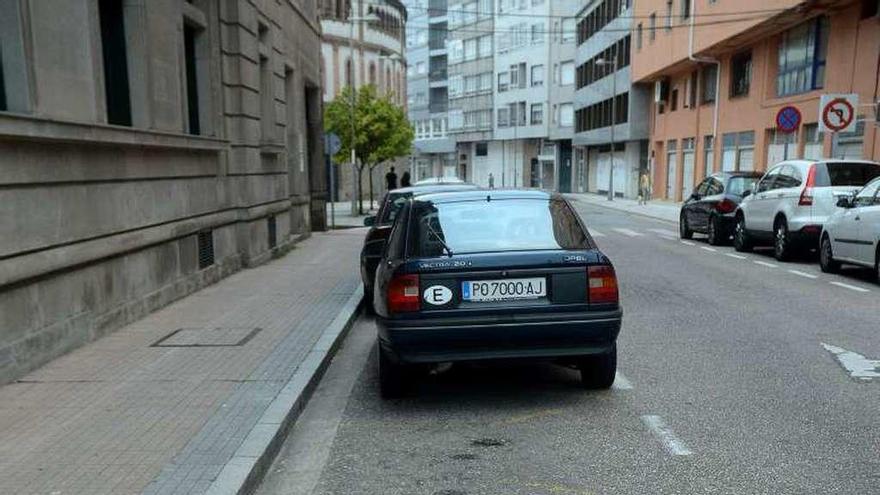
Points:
(380, 227)
(490, 274)
(711, 208)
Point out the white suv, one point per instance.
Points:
(793, 200)
(852, 234)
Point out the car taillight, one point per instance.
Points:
(403, 294)
(725, 206)
(601, 285)
(807, 193)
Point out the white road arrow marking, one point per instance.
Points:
(857, 365)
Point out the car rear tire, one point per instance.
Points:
(781, 240)
(714, 232)
(826, 257)
(392, 377)
(877, 264)
(598, 371)
(684, 230)
(741, 240)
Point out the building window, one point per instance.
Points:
(599, 115)
(813, 145)
(113, 48)
(3, 106)
(503, 81)
(639, 37)
(566, 70)
(738, 151)
(566, 115)
(537, 33)
(692, 90)
(802, 52)
(709, 154)
(537, 75)
(652, 26)
(537, 113)
(740, 74)
(669, 15)
(514, 76)
(503, 117)
(482, 149)
(673, 101)
(685, 9)
(192, 79)
(709, 82)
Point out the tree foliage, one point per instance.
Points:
(382, 130)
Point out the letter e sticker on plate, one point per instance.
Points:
(438, 295)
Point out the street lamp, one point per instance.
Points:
(613, 63)
(352, 19)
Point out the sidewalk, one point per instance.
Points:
(663, 210)
(344, 218)
(191, 397)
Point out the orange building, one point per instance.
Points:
(720, 70)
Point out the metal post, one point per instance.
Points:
(332, 191)
(613, 117)
(355, 201)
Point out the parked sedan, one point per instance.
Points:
(380, 227)
(793, 200)
(492, 274)
(710, 209)
(852, 234)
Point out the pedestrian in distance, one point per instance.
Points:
(405, 180)
(491, 181)
(391, 179)
(644, 188)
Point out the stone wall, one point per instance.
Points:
(100, 222)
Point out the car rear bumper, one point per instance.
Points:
(520, 336)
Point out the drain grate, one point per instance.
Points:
(207, 337)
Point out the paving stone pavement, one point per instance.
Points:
(660, 209)
(123, 415)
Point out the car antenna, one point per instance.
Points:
(488, 198)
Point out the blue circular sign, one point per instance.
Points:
(788, 119)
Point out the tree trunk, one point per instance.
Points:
(357, 190)
(371, 188)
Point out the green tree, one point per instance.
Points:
(381, 131)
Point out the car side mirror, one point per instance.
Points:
(695, 196)
(844, 202)
(747, 192)
(370, 221)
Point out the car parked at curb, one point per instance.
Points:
(793, 200)
(494, 274)
(852, 234)
(380, 226)
(710, 209)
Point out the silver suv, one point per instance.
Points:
(793, 200)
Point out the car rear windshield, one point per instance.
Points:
(739, 184)
(395, 203)
(492, 226)
(846, 174)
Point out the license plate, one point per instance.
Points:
(512, 289)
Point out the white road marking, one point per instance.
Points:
(621, 383)
(802, 274)
(688, 243)
(672, 444)
(706, 248)
(596, 233)
(764, 263)
(737, 256)
(631, 233)
(857, 365)
(850, 287)
(664, 232)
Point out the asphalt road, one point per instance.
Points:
(724, 387)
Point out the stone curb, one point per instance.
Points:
(625, 210)
(243, 473)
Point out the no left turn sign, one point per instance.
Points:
(838, 112)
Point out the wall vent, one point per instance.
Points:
(206, 249)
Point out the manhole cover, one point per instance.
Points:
(207, 337)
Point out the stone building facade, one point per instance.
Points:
(147, 149)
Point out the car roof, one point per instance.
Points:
(438, 180)
(731, 173)
(806, 161)
(430, 188)
(487, 194)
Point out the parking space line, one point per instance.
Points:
(764, 263)
(688, 243)
(850, 287)
(737, 256)
(596, 233)
(621, 383)
(658, 427)
(628, 232)
(802, 274)
(711, 250)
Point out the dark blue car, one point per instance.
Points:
(494, 274)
